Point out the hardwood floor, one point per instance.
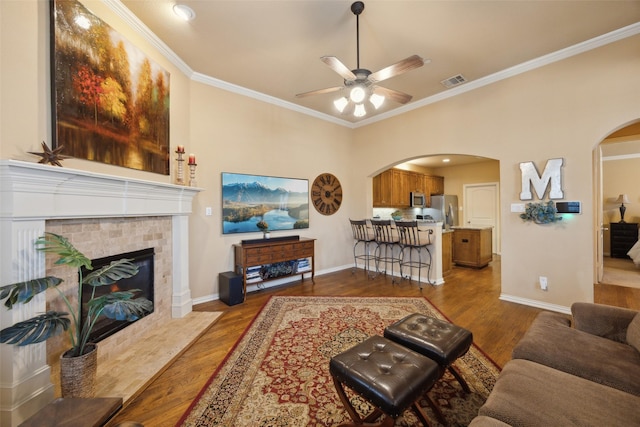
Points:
(469, 298)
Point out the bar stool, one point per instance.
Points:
(414, 253)
(363, 236)
(387, 245)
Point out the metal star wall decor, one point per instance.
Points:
(50, 156)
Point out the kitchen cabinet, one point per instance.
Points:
(382, 190)
(435, 184)
(472, 246)
(392, 187)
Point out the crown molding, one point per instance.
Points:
(585, 46)
(123, 12)
(138, 26)
(221, 84)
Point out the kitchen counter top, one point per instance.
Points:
(471, 228)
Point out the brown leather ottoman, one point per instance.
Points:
(437, 339)
(388, 375)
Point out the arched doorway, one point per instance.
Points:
(617, 167)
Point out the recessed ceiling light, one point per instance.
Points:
(184, 12)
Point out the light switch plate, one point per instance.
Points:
(517, 207)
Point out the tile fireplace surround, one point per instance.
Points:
(32, 195)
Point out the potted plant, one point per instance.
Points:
(541, 213)
(118, 305)
(264, 227)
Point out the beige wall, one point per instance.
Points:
(562, 110)
(455, 177)
(231, 133)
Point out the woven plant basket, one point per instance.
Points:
(78, 374)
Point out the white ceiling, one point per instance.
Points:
(273, 48)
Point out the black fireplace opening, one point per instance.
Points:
(144, 281)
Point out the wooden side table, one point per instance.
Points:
(75, 412)
(623, 236)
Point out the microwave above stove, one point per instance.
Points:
(418, 200)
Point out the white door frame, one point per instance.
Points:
(598, 183)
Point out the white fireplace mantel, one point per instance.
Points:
(33, 190)
(30, 194)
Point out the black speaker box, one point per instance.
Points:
(230, 288)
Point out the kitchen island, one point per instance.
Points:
(472, 246)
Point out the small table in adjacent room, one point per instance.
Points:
(623, 236)
(75, 412)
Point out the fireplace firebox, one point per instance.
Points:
(144, 281)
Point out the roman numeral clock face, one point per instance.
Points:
(326, 194)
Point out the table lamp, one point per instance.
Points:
(622, 198)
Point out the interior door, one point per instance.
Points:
(481, 208)
(599, 220)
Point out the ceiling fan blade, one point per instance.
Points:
(395, 95)
(398, 68)
(337, 66)
(320, 91)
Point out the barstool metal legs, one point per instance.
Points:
(420, 263)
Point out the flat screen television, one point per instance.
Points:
(281, 203)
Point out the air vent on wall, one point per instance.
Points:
(453, 81)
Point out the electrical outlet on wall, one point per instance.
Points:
(544, 284)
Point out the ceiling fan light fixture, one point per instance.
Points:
(341, 103)
(376, 100)
(357, 94)
(360, 83)
(184, 12)
(359, 110)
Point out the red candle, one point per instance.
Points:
(180, 149)
(192, 159)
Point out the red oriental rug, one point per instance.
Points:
(278, 372)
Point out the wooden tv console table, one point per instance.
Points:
(269, 251)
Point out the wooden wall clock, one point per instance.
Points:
(326, 194)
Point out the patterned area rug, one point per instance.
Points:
(278, 372)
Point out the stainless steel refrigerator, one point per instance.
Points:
(446, 207)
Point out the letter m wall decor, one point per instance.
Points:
(551, 177)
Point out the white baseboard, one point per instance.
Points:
(274, 283)
(536, 304)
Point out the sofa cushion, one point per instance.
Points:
(530, 394)
(552, 342)
(633, 332)
(605, 321)
(484, 421)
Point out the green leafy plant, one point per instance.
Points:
(541, 213)
(118, 305)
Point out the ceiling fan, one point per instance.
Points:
(362, 83)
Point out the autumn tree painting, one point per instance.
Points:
(111, 102)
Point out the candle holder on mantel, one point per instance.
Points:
(192, 175)
(180, 171)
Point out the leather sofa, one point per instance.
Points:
(583, 371)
